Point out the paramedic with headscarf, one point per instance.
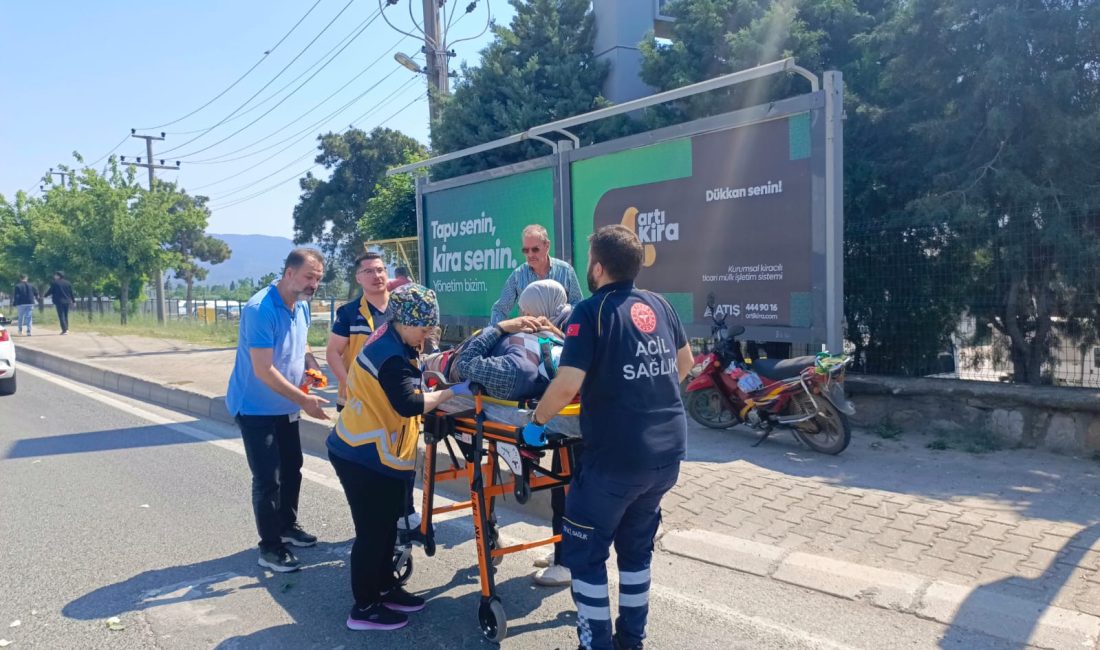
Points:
(373, 450)
(626, 353)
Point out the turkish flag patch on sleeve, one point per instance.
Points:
(574, 329)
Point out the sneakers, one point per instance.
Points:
(295, 536)
(376, 617)
(545, 560)
(554, 575)
(619, 645)
(280, 560)
(399, 600)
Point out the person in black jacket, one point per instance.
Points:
(23, 297)
(62, 293)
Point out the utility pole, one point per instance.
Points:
(62, 175)
(438, 68)
(439, 18)
(151, 166)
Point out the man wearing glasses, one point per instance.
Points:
(539, 266)
(357, 320)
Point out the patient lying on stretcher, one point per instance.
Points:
(514, 361)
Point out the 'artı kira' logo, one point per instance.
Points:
(652, 228)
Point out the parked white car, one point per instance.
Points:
(7, 359)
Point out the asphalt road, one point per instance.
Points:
(114, 508)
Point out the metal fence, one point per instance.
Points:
(216, 310)
(1007, 295)
(398, 253)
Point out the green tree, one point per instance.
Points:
(191, 244)
(1000, 101)
(539, 69)
(329, 211)
(391, 210)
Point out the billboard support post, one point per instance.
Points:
(834, 210)
(564, 204)
(418, 181)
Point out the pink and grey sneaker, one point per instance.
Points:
(400, 600)
(376, 617)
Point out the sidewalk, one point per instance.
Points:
(1004, 543)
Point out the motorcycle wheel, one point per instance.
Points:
(709, 409)
(828, 433)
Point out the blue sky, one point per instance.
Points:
(79, 75)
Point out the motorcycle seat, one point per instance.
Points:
(782, 368)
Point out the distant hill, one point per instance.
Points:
(253, 256)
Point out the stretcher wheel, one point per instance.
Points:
(402, 566)
(522, 489)
(429, 545)
(494, 624)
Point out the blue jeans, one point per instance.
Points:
(604, 508)
(26, 314)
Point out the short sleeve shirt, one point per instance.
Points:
(626, 342)
(266, 322)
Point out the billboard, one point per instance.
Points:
(727, 213)
(472, 238)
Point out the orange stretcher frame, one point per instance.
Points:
(481, 438)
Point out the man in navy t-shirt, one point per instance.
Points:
(626, 353)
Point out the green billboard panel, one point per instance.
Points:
(724, 217)
(472, 238)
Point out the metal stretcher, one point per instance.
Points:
(481, 443)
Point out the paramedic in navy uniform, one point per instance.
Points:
(626, 353)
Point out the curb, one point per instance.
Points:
(1006, 617)
(180, 399)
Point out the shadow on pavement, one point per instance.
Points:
(91, 441)
(206, 595)
(975, 612)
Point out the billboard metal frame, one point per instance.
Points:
(825, 106)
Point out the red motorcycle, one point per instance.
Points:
(804, 394)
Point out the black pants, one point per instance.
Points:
(63, 316)
(557, 496)
(376, 501)
(274, 451)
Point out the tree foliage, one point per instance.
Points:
(103, 230)
(329, 211)
(539, 69)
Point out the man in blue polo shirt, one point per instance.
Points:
(265, 399)
(626, 353)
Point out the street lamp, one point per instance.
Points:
(406, 61)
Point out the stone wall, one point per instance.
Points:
(1065, 420)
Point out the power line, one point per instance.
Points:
(316, 106)
(311, 151)
(288, 84)
(113, 149)
(309, 132)
(307, 169)
(240, 78)
(277, 75)
(279, 103)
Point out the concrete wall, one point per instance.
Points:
(620, 26)
(1065, 420)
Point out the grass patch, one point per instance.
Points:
(981, 441)
(887, 430)
(219, 333)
